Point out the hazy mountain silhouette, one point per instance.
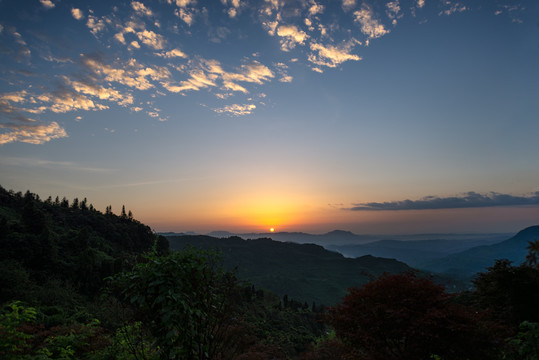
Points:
(415, 252)
(471, 261)
(306, 272)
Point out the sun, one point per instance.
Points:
(272, 230)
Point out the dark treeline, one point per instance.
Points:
(76, 283)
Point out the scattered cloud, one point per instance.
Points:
(141, 9)
(393, 11)
(131, 74)
(48, 4)
(236, 109)
(370, 25)
(95, 25)
(452, 7)
(291, 36)
(347, 5)
(286, 79)
(174, 53)
(332, 56)
(31, 133)
(77, 13)
(467, 200)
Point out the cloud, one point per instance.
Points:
(95, 25)
(47, 4)
(393, 11)
(332, 56)
(286, 79)
(348, 4)
(236, 109)
(151, 39)
(291, 36)
(186, 11)
(467, 200)
(172, 54)
(141, 9)
(315, 9)
(131, 74)
(254, 72)
(32, 134)
(452, 8)
(370, 26)
(420, 3)
(101, 92)
(234, 8)
(77, 13)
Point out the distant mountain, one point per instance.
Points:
(477, 259)
(306, 272)
(415, 252)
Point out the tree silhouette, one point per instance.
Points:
(407, 317)
(533, 254)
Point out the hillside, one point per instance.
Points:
(56, 253)
(477, 259)
(415, 252)
(306, 272)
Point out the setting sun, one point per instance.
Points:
(272, 230)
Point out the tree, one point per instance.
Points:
(184, 299)
(510, 293)
(533, 254)
(407, 317)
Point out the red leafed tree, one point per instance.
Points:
(408, 317)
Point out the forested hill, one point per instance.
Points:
(56, 252)
(302, 271)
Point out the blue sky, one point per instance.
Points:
(244, 115)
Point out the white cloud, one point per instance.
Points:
(47, 4)
(420, 3)
(270, 26)
(134, 45)
(132, 74)
(100, 92)
(370, 26)
(452, 8)
(315, 9)
(32, 134)
(292, 36)
(151, 39)
(254, 72)
(95, 25)
(236, 109)
(286, 79)
(393, 11)
(332, 56)
(348, 4)
(198, 79)
(15, 97)
(141, 9)
(77, 13)
(234, 8)
(172, 54)
(229, 85)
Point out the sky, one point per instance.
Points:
(377, 117)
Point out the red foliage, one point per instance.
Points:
(407, 317)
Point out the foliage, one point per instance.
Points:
(406, 317)
(526, 342)
(183, 299)
(510, 293)
(12, 340)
